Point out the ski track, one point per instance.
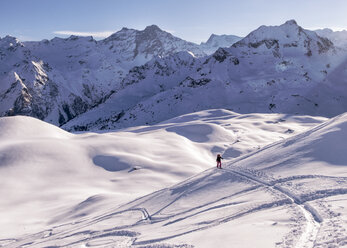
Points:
(46, 235)
(312, 217)
(306, 240)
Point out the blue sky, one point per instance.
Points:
(192, 20)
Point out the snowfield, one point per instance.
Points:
(283, 183)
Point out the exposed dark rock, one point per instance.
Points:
(324, 45)
(271, 106)
(67, 111)
(220, 55)
(61, 118)
(79, 106)
(268, 43)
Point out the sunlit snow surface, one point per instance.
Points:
(283, 183)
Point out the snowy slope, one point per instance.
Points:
(291, 193)
(51, 177)
(281, 69)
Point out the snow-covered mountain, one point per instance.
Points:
(145, 82)
(284, 69)
(274, 69)
(141, 46)
(56, 80)
(339, 38)
(52, 80)
(217, 41)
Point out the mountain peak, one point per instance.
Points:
(11, 41)
(328, 30)
(72, 37)
(122, 34)
(80, 38)
(287, 35)
(291, 22)
(212, 37)
(222, 40)
(9, 38)
(290, 30)
(152, 28)
(124, 29)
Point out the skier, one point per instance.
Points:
(219, 161)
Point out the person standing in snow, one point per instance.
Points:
(219, 161)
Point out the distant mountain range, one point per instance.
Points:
(284, 69)
(142, 77)
(56, 80)
(339, 38)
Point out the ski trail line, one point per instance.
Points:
(313, 219)
(145, 214)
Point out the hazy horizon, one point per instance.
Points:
(193, 21)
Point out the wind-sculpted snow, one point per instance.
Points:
(27, 128)
(53, 178)
(110, 163)
(259, 195)
(288, 192)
